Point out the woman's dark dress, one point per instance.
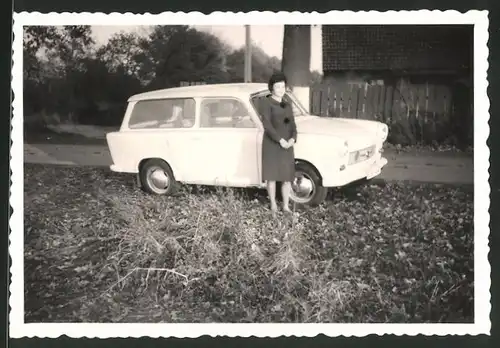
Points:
(278, 164)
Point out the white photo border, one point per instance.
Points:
(482, 269)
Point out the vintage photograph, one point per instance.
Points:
(251, 173)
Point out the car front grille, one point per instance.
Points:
(362, 155)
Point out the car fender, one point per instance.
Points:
(322, 151)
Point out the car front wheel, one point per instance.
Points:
(156, 177)
(306, 188)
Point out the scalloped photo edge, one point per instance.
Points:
(482, 305)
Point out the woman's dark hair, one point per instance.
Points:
(277, 76)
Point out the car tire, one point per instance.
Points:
(157, 178)
(318, 193)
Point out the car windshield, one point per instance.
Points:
(298, 109)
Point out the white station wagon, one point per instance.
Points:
(212, 135)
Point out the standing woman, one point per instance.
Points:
(280, 135)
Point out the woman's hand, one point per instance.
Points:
(291, 142)
(284, 144)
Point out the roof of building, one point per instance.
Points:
(397, 47)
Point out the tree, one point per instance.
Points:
(37, 39)
(103, 93)
(262, 65)
(55, 58)
(121, 52)
(75, 46)
(74, 51)
(62, 47)
(297, 59)
(172, 54)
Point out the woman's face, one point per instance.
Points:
(279, 89)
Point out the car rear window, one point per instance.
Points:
(163, 113)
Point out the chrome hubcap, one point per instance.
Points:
(158, 179)
(303, 188)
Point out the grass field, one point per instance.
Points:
(97, 249)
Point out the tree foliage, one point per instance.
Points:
(262, 65)
(120, 54)
(172, 54)
(70, 78)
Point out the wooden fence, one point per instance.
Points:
(379, 102)
(417, 110)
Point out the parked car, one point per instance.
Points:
(212, 135)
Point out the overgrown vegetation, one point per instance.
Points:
(98, 249)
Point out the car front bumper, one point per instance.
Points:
(365, 170)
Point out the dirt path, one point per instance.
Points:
(436, 168)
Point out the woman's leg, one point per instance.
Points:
(271, 191)
(285, 192)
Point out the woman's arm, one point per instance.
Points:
(265, 111)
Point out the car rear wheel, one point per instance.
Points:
(306, 188)
(156, 177)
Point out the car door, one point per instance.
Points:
(177, 137)
(228, 143)
(160, 128)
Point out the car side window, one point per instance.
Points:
(163, 113)
(224, 113)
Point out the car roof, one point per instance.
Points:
(209, 90)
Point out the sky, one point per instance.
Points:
(268, 37)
